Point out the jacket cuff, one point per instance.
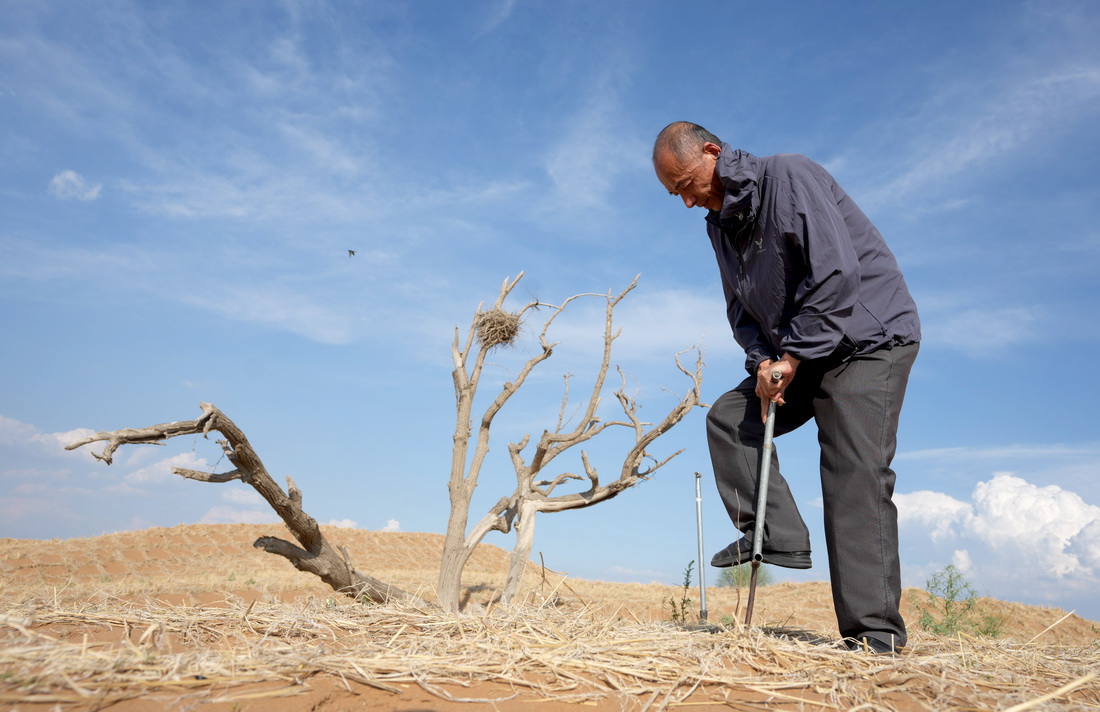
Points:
(754, 359)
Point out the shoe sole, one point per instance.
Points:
(768, 558)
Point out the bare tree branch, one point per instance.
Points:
(315, 555)
(208, 476)
(518, 510)
(530, 500)
(458, 543)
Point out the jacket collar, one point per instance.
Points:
(738, 170)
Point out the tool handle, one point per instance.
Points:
(762, 499)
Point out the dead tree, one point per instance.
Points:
(315, 555)
(495, 327)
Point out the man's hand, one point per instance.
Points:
(769, 389)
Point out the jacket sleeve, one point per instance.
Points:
(829, 286)
(746, 331)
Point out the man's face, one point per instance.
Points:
(694, 180)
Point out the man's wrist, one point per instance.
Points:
(791, 359)
(764, 363)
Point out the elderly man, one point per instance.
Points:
(813, 294)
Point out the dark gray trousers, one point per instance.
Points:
(856, 405)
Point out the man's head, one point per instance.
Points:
(684, 157)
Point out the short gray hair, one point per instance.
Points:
(682, 139)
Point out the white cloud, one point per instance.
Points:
(15, 433)
(342, 523)
(242, 495)
(935, 510)
(392, 525)
(70, 185)
(961, 560)
(158, 473)
(1085, 545)
(1011, 524)
(223, 514)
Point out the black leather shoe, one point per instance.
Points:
(740, 552)
(871, 646)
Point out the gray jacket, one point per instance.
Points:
(803, 269)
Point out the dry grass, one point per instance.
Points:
(89, 643)
(544, 652)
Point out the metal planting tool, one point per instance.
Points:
(762, 500)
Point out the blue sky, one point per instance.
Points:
(181, 183)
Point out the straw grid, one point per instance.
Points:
(61, 653)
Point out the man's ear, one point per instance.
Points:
(712, 149)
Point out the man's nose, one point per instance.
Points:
(689, 200)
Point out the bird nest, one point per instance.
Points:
(496, 327)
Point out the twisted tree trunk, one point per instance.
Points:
(315, 555)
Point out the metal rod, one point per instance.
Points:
(699, 529)
(762, 500)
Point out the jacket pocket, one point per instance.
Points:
(845, 350)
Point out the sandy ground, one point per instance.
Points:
(106, 593)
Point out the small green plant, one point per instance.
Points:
(991, 625)
(739, 576)
(231, 577)
(952, 607)
(250, 582)
(680, 607)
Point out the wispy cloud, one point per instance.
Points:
(1042, 463)
(498, 12)
(587, 160)
(244, 506)
(977, 119)
(995, 125)
(70, 185)
(594, 152)
(620, 573)
(978, 333)
(655, 325)
(1051, 452)
(284, 309)
(225, 514)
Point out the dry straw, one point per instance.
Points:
(532, 652)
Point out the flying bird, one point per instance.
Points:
(351, 253)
